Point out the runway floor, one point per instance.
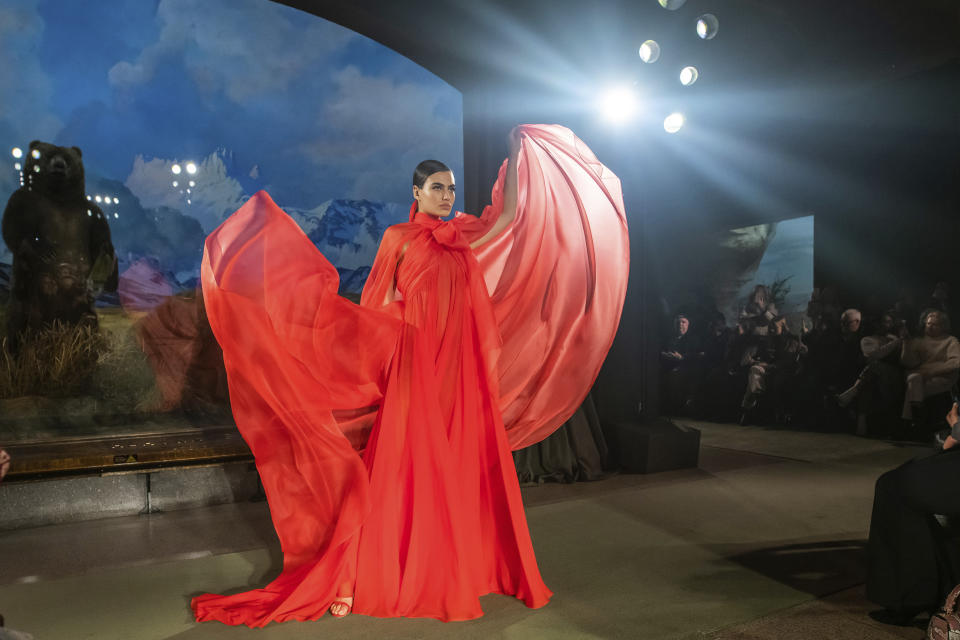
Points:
(764, 540)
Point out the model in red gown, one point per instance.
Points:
(382, 432)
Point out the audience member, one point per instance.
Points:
(912, 564)
(879, 386)
(679, 365)
(932, 363)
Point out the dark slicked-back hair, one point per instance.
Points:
(426, 169)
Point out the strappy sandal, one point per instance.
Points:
(341, 607)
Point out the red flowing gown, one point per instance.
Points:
(382, 432)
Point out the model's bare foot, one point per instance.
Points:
(341, 607)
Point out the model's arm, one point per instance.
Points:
(392, 295)
(509, 211)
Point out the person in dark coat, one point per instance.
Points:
(913, 563)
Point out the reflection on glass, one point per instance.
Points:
(191, 168)
(688, 75)
(176, 169)
(17, 166)
(672, 5)
(35, 154)
(17, 152)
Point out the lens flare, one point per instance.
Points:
(672, 5)
(176, 169)
(191, 168)
(17, 152)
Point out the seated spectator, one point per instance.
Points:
(759, 311)
(880, 383)
(773, 363)
(932, 363)
(912, 564)
(679, 360)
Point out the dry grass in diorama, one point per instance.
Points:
(55, 362)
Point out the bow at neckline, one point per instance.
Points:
(446, 232)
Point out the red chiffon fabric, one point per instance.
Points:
(430, 517)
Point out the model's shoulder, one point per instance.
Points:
(400, 229)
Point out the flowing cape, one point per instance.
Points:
(557, 277)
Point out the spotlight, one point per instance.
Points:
(89, 198)
(188, 202)
(17, 152)
(36, 168)
(98, 199)
(175, 169)
(650, 51)
(618, 104)
(193, 184)
(673, 122)
(707, 26)
(116, 201)
(176, 184)
(688, 75)
(17, 166)
(35, 154)
(116, 215)
(191, 168)
(672, 5)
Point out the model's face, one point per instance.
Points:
(437, 194)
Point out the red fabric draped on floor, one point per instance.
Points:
(418, 379)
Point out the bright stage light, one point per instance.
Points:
(191, 168)
(650, 51)
(176, 169)
(17, 152)
(98, 198)
(688, 75)
(17, 166)
(673, 122)
(175, 184)
(672, 5)
(707, 26)
(618, 104)
(192, 183)
(35, 154)
(116, 201)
